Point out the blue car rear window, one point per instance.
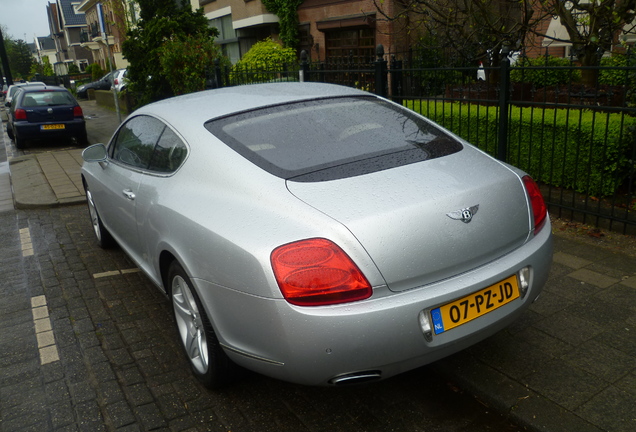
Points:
(332, 138)
(47, 98)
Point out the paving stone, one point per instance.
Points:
(611, 400)
(563, 382)
(594, 278)
(549, 304)
(599, 311)
(570, 328)
(570, 260)
(119, 415)
(538, 410)
(150, 416)
(601, 360)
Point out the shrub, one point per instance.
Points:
(545, 71)
(576, 149)
(160, 21)
(186, 59)
(73, 69)
(265, 61)
(95, 70)
(612, 76)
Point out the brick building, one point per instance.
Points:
(328, 30)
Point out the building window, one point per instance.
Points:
(344, 45)
(227, 37)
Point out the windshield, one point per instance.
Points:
(363, 134)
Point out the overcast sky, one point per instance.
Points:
(20, 17)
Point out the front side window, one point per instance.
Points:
(147, 143)
(332, 138)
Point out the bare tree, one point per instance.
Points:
(476, 30)
(593, 26)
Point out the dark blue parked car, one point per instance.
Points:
(45, 112)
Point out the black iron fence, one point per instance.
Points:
(572, 128)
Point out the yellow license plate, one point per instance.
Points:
(473, 306)
(52, 126)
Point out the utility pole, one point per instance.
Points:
(5, 61)
(111, 60)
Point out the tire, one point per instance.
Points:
(9, 132)
(82, 139)
(20, 143)
(207, 359)
(104, 239)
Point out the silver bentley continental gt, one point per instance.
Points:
(317, 234)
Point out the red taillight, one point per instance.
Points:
(19, 114)
(77, 111)
(317, 272)
(539, 209)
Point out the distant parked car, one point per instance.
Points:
(120, 81)
(104, 83)
(45, 112)
(15, 87)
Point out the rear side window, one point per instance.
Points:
(169, 152)
(332, 138)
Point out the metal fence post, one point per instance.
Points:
(396, 80)
(380, 72)
(218, 77)
(504, 99)
(304, 67)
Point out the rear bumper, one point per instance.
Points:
(72, 128)
(313, 345)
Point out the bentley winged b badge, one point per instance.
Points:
(465, 215)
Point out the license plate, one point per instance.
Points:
(52, 126)
(473, 306)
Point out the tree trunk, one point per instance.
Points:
(589, 57)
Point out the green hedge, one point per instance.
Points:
(545, 71)
(575, 149)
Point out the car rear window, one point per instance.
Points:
(333, 138)
(47, 98)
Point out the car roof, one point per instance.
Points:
(26, 84)
(32, 89)
(195, 109)
(16, 88)
(43, 87)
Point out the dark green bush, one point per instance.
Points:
(95, 70)
(545, 71)
(616, 76)
(575, 149)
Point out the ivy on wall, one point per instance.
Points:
(287, 12)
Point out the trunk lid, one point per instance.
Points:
(409, 218)
(50, 114)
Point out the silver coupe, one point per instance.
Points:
(316, 233)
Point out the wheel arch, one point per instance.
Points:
(165, 259)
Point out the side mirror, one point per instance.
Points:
(95, 153)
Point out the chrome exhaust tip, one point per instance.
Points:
(356, 378)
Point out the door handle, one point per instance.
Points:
(129, 194)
